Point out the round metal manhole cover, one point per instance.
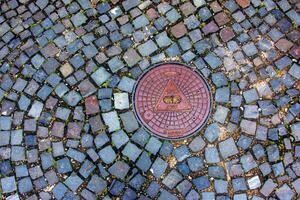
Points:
(172, 101)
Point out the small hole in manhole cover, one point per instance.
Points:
(172, 101)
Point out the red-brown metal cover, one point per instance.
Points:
(172, 101)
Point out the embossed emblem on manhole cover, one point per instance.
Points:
(172, 101)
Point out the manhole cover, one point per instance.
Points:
(172, 101)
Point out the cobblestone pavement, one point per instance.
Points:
(67, 72)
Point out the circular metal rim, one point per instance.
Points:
(142, 123)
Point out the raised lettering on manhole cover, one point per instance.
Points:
(172, 101)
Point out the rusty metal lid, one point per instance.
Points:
(172, 100)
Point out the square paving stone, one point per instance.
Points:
(86, 168)
(244, 142)
(78, 19)
(121, 100)
(90, 51)
(5, 123)
(140, 137)
(61, 89)
(131, 151)
(126, 84)
(116, 188)
(59, 191)
(63, 166)
(248, 126)
(112, 121)
(86, 88)
(58, 129)
(100, 140)
(219, 79)
(115, 64)
(158, 167)
(197, 144)
(248, 162)
(23, 103)
(250, 95)
(4, 138)
(228, 148)
(147, 48)
(17, 153)
(211, 27)
(166, 195)
(173, 15)
(191, 22)
(285, 192)
(258, 151)
(221, 114)
(66, 69)
(239, 184)
(87, 140)
(212, 155)
(129, 4)
(107, 154)
(46, 160)
(221, 186)
(144, 162)
(74, 130)
(172, 179)
(185, 43)
(195, 163)
(58, 149)
(254, 182)
(178, 30)
(201, 183)
(21, 171)
(72, 98)
(119, 169)
(137, 181)
(184, 187)
(193, 195)
(131, 57)
(204, 13)
(213, 61)
(73, 182)
(295, 71)
(25, 185)
(119, 138)
(212, 132)
(273, 153)
(153, 145)
(163, 40)
(100, 76)
(153, 189)
(91, 105)
(296, 185)
(183, 168)
(181, 153)
(140, 22)
(8, 184)
(250, 49)
(35, 172)
(104, 93)
(295, 131)
(251, 111)
(222, 95)
(97, 184)
(129, 121)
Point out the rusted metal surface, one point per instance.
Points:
(172, 101)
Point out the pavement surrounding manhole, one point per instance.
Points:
(172, 101)
(68, 70)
